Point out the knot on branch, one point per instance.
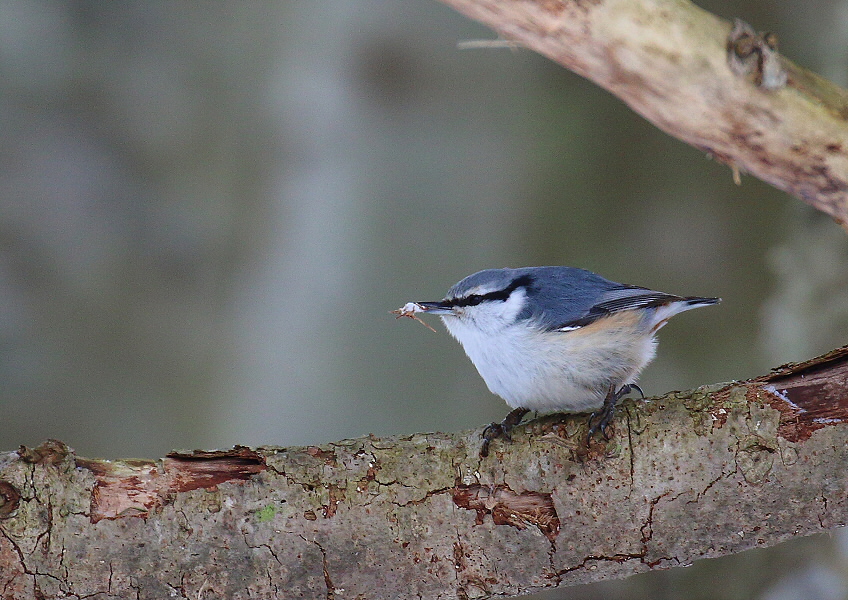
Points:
(754, 56)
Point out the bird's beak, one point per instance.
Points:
(436, 308)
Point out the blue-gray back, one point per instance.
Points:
(563, 296)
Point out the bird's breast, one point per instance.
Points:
(558, 371)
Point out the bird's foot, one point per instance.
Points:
(605, 415)
(502, 429)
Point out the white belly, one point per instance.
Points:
(568, 371)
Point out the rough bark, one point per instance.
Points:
(707, 472)
(723, 90)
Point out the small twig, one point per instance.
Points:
(487, 44)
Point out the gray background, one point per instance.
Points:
(208, 209)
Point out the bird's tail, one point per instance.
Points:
(695, 301)
(666, 311)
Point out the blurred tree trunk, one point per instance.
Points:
(708, 472)
(722, 89)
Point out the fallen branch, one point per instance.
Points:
(708, 472)
(723, 90)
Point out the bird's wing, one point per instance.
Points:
(617, 300)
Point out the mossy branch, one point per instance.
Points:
(721, 88)
(707, 472)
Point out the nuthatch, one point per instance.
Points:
(555, 339)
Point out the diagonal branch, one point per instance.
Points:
(726, 93)
(707, 472)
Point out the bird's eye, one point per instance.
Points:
(473, 300)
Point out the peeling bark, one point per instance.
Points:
(724, 90)
(707, 472)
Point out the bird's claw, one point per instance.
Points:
(608, 411)
(502, 429)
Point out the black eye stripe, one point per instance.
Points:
(524, 281)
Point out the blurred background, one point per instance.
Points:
(208, 209)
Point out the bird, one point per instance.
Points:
(555, 338)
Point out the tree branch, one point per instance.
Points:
(726, 93)
(708, 472)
